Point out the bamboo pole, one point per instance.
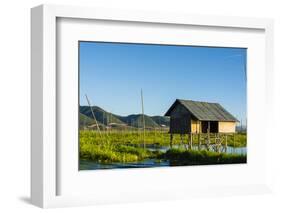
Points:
(233, 142)
(225, 143)
(209, 140)
(93, 114)
(103, 120)
(171, 140)
(191, 140)
(154, 135)
(181, 136)
(199, 139)
(208, 130)
(143, 121)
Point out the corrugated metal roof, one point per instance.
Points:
(204, 111)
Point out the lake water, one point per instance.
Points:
(91, 165)
(229, 150)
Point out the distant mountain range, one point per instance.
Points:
(105, 118)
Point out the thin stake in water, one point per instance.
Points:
(143, 121)
(93, 114)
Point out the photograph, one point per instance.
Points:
(161, 105)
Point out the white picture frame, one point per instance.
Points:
(45, 168)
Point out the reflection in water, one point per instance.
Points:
(147, 163)
(229, 150)
(91, 165)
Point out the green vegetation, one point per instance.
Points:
(135, 137)
(240, 140)
(180, 157)
(109, 153)
(109, 147)
(127, 146)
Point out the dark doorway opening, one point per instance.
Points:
(214, 126)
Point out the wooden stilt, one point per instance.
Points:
(182, 143)
(208, 132)
(191, 141)
(181, 138)
(143, 120)
(185, 144)
(187, 141)
(219, 142)
(225, 143)
(215, 147)
(199, 142)
(233, 140)
(171, 140)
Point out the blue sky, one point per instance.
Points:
(113, 74)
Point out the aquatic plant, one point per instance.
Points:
(180, 157)
(151, 137)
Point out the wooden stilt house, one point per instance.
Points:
(188, 117)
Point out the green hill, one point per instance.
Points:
(89, 123)
(117, 121)
(161, 120)
(101, 115)
(137, 121)
(85, 120)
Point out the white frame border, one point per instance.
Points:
(43, 90)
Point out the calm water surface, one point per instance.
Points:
(92, 165)
(230, 149)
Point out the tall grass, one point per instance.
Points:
(113, 153)
(127, 147)
(151, 137)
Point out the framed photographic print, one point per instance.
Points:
(142, 134)
(149, 106)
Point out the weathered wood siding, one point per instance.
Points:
(227, 127)
(183, 122)
(180, 120)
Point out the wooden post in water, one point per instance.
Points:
(208, 132)
(139, 135)
(155, 135)
(191, 138)
(225, 143)
(181, 135)
(93, 114)
(103, 120)
(219, 139)
(143, 121)
(185, 145)
(233, 142)
(187, 141)
(171, 140)
(199, 139)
